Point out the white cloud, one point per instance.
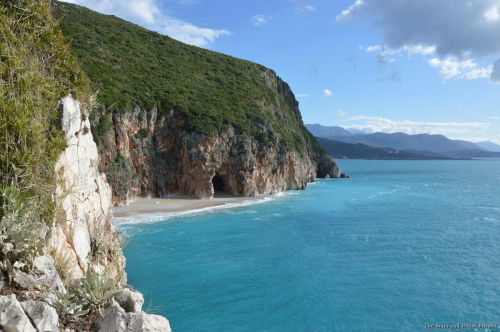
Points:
(190, 33)
(309, 8)
(494, 118)
(302, 95)
(260, 20)
(345, 14)
(327, 93)
(375, 48)
(419, 49)
(430, 27)
(341, 114)
(148, 14)
(493, 13)
(303, 6)
(380, 124)
(451, 67)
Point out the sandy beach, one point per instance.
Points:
(178, 203)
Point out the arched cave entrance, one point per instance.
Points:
(218, 184)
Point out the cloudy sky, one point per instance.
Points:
(421, 66)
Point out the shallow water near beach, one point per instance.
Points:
(399, 245)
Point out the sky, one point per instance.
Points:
(408, 66)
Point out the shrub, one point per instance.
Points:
(96, 289)
(142, 133)
(22, 236)
(64, 263)
(105, 251)
(69, 305)
(36, 69)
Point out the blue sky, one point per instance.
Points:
(378, 65)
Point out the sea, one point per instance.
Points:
(399, 246)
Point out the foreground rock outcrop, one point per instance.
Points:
(83, 196)
(125, 314)
(83, 202)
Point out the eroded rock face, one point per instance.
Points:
(118, 319)
(130, 300)
(43, 277)
(83, 195)
(83, 202)
(151, 153)
(42, 315)
(12, 316)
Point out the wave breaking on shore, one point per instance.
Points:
(161, 216)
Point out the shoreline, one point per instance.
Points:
(178, 205)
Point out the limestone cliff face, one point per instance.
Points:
(152, 153)
(83, 196)
(83, 202)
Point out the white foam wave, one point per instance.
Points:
(149, 218)
(497, 209)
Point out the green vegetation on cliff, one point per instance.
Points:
(36, 69)
(131, 66)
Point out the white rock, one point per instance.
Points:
(44, 275)
(13, 317)
(115, 319)
(142, 322)
(130, 300)
(155, 323)
(83, 200)
(83, 195)
(42, 315)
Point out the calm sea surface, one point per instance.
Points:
(399, 245)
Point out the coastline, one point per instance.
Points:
(152, 209)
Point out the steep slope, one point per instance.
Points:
(176, 118)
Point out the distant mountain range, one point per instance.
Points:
(490, 146)
(341, 150)
(399, 145)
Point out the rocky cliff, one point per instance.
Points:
(152, 153)
(174, 118)
(82, 236)
(61, 263)
(82, 194)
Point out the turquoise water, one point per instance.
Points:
(399, 245)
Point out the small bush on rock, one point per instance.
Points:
(64, 263)
(21, 233)
(96, 289)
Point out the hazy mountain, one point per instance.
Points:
(490, 146)
(342, 150)
(418, 143)
(327, 131)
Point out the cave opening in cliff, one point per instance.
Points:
(218, 184)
